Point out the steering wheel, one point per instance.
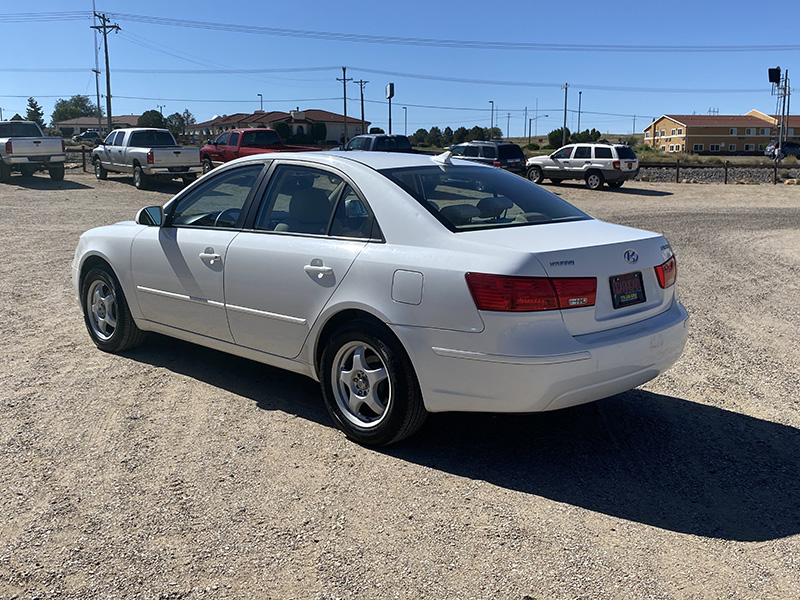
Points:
(228, 217)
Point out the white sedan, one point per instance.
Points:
(405, 284)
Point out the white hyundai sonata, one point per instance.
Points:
(405, 284)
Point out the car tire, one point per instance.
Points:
(141, 181)
(106, 313)
(535, 174)
(99, 170)
(207, 165)
(187, 179)
(56, 172)
(556, 181)
(616, 184)
(27, 170)
(369, 385)
(594, 180)
(5, 172)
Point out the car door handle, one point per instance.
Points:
(211, 257)
(318, 270)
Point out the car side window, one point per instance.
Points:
(563, 153)
(352, 218)
(457, 151)
(602, 152)
(109, 141)
(583, 152)
(223, 139)
(471, 151)
(355, 144)
(299, 200)
(488, 151)
(234, 139)
(219, 202)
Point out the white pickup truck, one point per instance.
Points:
(24, 148)
(146, 153)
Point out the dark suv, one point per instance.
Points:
(499, 154)
(786, 149)
(380, 142)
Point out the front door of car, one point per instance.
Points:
(281, 274)
(560, 161)
(179, 269)
(231, 149)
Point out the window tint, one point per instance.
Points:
(219, 202)
(234, 140)
(625, 152)
(471, 150)
(488, 151)
(510, 151)
(352, 218)
(602, 152)
(458, 150)
(563, 153)
(223, 139)
(471, 197)
(260, 138)
(19, 129)
(151, 139)
(299, 200)
(583, 152)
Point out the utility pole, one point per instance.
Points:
(344, 81)
(508, 124)
(524, 121)
(634, 124)
(491, 121)
(564, 87)
(361, 83)
(97, 73)
(105, 27)
(579, 111)
(405, 120)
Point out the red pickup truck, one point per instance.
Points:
(236, 143)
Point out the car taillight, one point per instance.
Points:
(615, 164)
(496, 163)
(63, 146)
(9, 150)
(667, 273)
(522, 294)
(150, 157)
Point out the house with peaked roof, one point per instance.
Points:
(299, 121)
(717, 134)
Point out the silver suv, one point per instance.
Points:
(596, 164)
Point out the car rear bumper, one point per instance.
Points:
(35, 160)
(171, 172)
(620, 175)
(593, 367)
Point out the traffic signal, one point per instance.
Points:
(775, 75)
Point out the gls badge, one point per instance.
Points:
(631, 256)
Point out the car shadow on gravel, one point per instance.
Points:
(644, 457)
(625, 191)
(45, 183)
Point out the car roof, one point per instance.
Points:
(377, 135)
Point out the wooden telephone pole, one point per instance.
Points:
(105, 27)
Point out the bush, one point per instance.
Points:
(532, 147)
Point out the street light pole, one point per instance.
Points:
(579, 111)
(405, 120)
(564, 129)
(491, 120)
(261, 98)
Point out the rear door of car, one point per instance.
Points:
(287, 263)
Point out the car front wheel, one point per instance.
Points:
(369, 386)
(207, 165)
(106, 312)
(99, 170)
(535, 174)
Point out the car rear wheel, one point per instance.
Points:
(99, 170)
(369, 385)
(187, 179)
(556, 181)
(141, 181)
(594, 180)
(535, 174)
(207, 165)
(106, 312)
(56, 172)
(616, 184)
(27, 170)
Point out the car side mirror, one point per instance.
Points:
(152, 216)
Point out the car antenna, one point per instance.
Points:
(443, 158)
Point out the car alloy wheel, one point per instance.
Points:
(594, 180)
(106, 312)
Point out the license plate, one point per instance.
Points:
(177, 169)
(627, 289)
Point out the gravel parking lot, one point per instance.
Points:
(175, 472)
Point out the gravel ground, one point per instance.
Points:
(175, 472)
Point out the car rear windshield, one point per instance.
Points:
(510, 151)
(625, 152)
(473, 197)
(16, 129)
(398, 143)
(151, 139)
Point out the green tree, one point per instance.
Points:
(176, 124)
(434, 137)
(585, 136)
(447, 137)
(460, 135)
(319, 131)
(418, 137)
(495, 134)
(188, 118)
(35, 112)
(151, 118)
(283, 129)
(77, 106)
(555, 137)
(476, 133)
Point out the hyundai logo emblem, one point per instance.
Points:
(631, 256)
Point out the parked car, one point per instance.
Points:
(24, 148)
(380, 142)
(236, 143)
(596, 164)
(405, 284)
(776, 150)
(149, 154)
(87, 136)
(505, 155)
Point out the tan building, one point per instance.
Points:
(717, 134)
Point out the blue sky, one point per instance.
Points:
(623, 58)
